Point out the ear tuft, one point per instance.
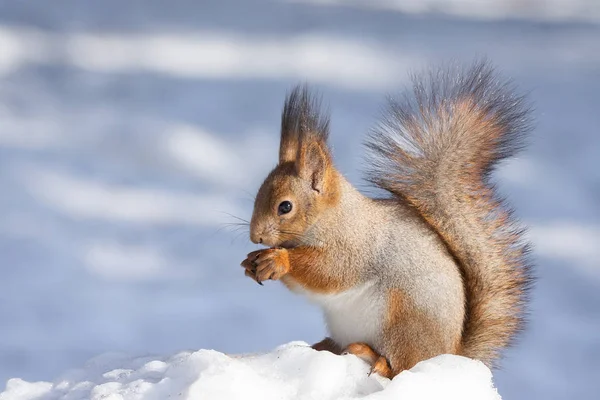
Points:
(302, 122)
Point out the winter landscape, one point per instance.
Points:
(133, 133)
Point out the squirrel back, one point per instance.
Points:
(435, 151)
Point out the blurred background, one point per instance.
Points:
(132, 132)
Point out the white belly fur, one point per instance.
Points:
(355, 315)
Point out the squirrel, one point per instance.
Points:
(438, 265)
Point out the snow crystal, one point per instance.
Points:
(291, 371)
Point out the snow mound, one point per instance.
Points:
(292, 371)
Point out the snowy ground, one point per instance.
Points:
(292, 371)
(128, 133)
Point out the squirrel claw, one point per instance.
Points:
(252, 274)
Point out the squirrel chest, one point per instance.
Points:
(354, 315)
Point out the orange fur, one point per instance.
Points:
(298, 266)
(382, 367)
(419, 334)
(363, 351)
(378, 363)
(437, 153)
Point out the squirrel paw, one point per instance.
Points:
(382, 367)
(379, 364)
(250, 270)
(267, 264)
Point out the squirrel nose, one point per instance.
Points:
(255, 238)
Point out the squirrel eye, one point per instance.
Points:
(284, 207)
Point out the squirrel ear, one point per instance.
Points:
(313, 163)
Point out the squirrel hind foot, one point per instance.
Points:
(379, 364)
(382, 367)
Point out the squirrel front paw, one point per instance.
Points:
(267, 264)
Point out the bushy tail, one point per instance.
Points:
(435, 150)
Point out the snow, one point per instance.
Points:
(291, 371)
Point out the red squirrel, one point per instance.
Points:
(439, 265)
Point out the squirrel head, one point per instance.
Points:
(304, 183)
